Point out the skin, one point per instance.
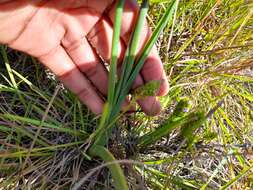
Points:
(73, 39)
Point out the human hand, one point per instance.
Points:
(72, 38)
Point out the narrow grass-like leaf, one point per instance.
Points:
(165, 129)
(175, 120)
(188, 129)
(181, 109)
(97, 134)
(168, 16)
(5, 129)
(39, 151)
(222, 163)
(119, 179)
(10, 73)
(114, 109)
(44, 124)
(178, 181)
(8, 67)
(114, 51)
(136, 39)
(244, 172)
(132, 48)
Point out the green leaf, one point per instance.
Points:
(165, 129)
(119, 179)
(149, 89)
(114, 52)
(167, 17)
(188, 129)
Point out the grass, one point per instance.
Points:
(207, 52)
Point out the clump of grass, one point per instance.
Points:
(119, 89)
(209, 62)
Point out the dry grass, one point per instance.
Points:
(209, 61)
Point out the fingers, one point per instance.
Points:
(96, 5)
(149, 104)
(101, 39)
(89, 63)
(77, 25)
(153, 68)
(83, 55)
(60, 63)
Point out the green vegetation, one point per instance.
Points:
(201, 140)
